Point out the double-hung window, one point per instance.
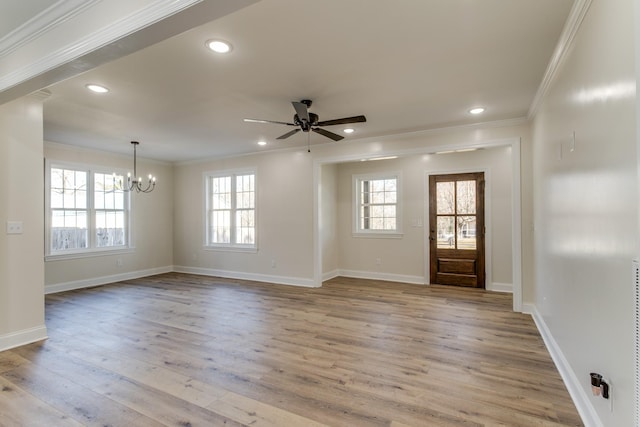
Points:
(231, 210)
(87, 210)
(376, 205)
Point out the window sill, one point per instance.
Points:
(89, 254)
(240, 249)
(378, 235)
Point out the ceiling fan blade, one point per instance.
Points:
(328, 134)
(301, 111)
(343, 121)
(288, 134)
(267, 121)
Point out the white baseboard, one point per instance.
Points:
(580, 398)
(23, 337)
(500, 287)
(104, 280)
(330, 275)
(416, 280)
(280, 280)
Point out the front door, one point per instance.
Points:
(456, 229)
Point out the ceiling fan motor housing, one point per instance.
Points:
(306, 126)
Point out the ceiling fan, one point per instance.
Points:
(308, 121)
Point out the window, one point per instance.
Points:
(376, 206)
(231, 210)
(88, 211)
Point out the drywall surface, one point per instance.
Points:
(21, 263)
(586, 207)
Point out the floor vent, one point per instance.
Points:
(636, 289)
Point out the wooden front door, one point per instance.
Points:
(456, 229)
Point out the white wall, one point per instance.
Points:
(328, 220)
(586, 211)
(21, 263)
(490, 134)
(284, 187)
(406, 258)
(152, 225)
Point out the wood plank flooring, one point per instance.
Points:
(186, 350)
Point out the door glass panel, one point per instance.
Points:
(466, 232)
(446, 232)
(466, 197)
(445, 198)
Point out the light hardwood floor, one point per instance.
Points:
(186, 350)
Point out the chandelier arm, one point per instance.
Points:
(135, 182)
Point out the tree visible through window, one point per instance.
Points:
(231, 210)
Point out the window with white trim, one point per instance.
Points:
(376, 204)
(87, 210)
(231, 210)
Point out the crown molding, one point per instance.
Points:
(54, 15)
(574, 21)
(143, 17)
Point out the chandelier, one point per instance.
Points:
(135, 183)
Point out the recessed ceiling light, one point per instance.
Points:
(349, 130)
(219, 46)
(97, 88)
(477, 110)
(262, 142)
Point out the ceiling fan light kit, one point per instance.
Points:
(307, 121)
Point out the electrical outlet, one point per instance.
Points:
(378, 261)
(14, 227)
(119, 262)
(273, 263)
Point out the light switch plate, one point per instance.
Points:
(14, 227)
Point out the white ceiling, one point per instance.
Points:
(407, 65)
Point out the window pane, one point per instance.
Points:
(389, 223)
(80, 180)
(110, 229)
(389, 211)
(221, 227)
(377, 197)
(245, 227)
(377, 211)
(81, 199)
(56, 198)
(68, 230)
(466, 197)
(445, 197)
(221, 192)
(466, 232)
(56, 178)
(69, 178)
(376, 224)
(119, 199)
(376, 185)
(390, 197)
(446, 232)
(390, 185)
